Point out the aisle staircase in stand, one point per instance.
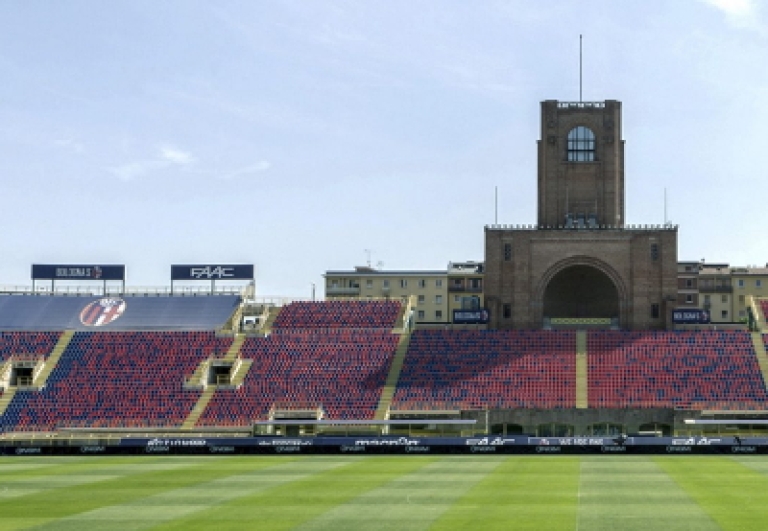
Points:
(197, 411)
(762, 357)
(53, 358)
(394, 375)
(582, 369)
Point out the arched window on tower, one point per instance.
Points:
(581, 145)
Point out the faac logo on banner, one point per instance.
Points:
(212, 272)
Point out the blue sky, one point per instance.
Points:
(296, 135)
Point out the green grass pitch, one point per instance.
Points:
(617, 493)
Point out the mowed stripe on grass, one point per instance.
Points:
(735, 495)
(154, 476)
(247, 477)
(635, 494)
(410, 502)
(530, 492)
(287, 506)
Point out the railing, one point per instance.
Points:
(715, 289)
(667, 226)
(581, 105)
(96, 291)
(335, 290)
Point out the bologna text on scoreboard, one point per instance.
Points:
(77, 272)
(690, 316)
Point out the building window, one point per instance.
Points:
(581, 145)
(655, 311)
(438, 314)
(507, 252)
(421, 299)
(403, 283)
(457, 298)
(422, 283)
(740, 283)
(420, 314)
(724, 299)
(706, 299)
(654, 252)
(475, 283)
(439, 283)
(742, 313)
(385, 283)
(438, 299)
(689, 299)
(506, 311)
(758, 283)
(369, 284)
(688, 283)
(741, 299)
(724, 314)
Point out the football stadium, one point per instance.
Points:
(582, 379)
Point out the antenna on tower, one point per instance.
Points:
(580, 69)
(368, 255)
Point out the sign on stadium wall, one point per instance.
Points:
(77, 272)
(212, 272)
(690, 316)
(471, 316)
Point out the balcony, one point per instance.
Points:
(464, 289)
(715, 289)
(335, 291)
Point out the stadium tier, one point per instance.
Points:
(692, 370)
(338, 314)
(467, 369)
(339, 357)
(116, 379)
(343, 371)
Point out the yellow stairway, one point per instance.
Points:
(582, 369)
(394, 375)
(234, 348)
(202, 403)
(762, 357)
(53, 358)
(6, 398)
(239, 376)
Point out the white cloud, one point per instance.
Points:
(168, 157)
(176, 156)
(132, 170)
(740, 13)
(251, 169)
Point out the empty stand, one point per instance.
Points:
(27, 343)
(341, 370)
(117, 379)
(685, 369)
(373, 314)
(477, 369)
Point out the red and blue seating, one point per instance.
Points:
(686, 369)
(478, 369)
(343, 371)
(373, 314)
(117, 379)
(27, 343)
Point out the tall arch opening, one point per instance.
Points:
(581, 291)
